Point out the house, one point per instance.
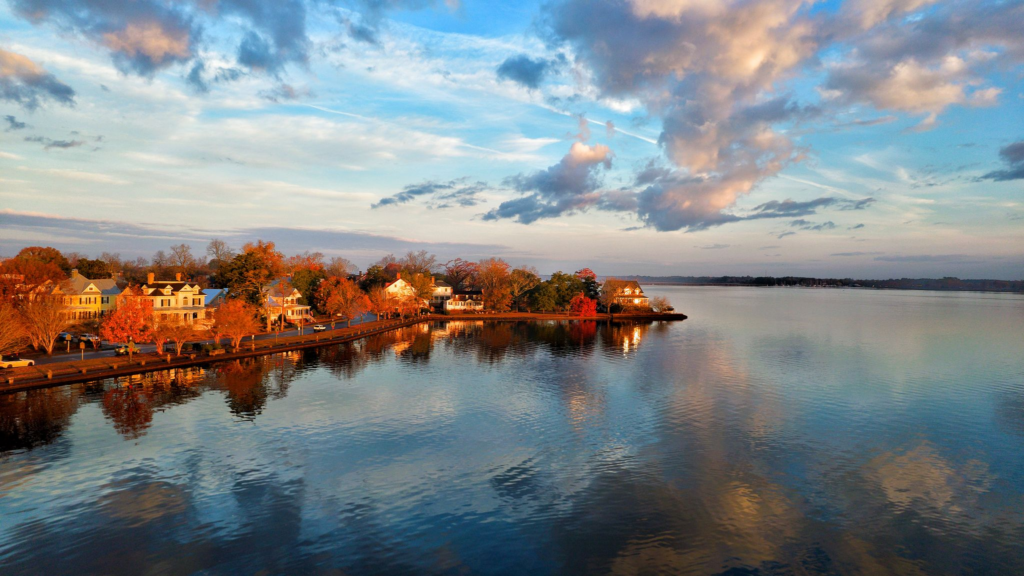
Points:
(465, 301)
(175, 299)
(87, 299)
(442, 293)
(285, 307)
(400, 289)
(627, 293)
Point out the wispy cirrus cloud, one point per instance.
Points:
(439, 195)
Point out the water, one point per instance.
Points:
(777, 431)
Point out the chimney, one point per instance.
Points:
(177, 276)
(150, 278)
(74, 272)
(398, 276)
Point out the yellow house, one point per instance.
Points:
(88, 299)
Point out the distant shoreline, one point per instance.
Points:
(907, 289)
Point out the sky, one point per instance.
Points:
(866, 138)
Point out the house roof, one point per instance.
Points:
(175, 287)
(442, 284)
(78, 284)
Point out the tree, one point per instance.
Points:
(380, 302)
(13, 335)
(342, 297)
(249, 274)
(520, 282)
(591, 289)
(492, 278)
(610, 291)
(20, 277)
(93, 268)
(45, 255)
(219, 251)
(177, 331)
(113, 261)
(306, 281)
(544, 297)
(660, 304)
(181, 258)
(422, 286)
(236, 319)
(580, 305)
(44, 317)
(305, 261)
(279, 291)
(566, 286)
(130, 322)
(375, 277)
(459, 272)
(418, 262)
(340, 267)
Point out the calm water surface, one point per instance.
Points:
(778, 431)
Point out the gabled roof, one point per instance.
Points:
(78, 284)
(441, 284)
(623, 284)
(175, 287)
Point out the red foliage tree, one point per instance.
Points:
(130, 322)
(580, 305)
(342, 297)
(237, 319)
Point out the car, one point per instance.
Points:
(90, 338)
(15, 362)
(65, 337)
(319, 328)
(121, 349)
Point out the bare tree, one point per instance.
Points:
(418, 262)
(113, 261)
(160, 259)
(340, 267)
(13, 335)
(181, 258)
(44, 318)
(219, 250)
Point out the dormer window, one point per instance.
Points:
(627, 291)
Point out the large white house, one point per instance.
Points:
(175, 299)
(465, 301)
(286, 307)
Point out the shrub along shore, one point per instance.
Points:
(60, 373)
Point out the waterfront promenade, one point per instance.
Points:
(71, 371)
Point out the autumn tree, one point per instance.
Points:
(236, 319)
(306, 281)
(422, 285)
(492, 278)
(458, 273)
(175, 330)
(580, 305)
(20, 277)
(520, 282)
(276, 294)
(45, 255)
(93, 268)
(305, 261)
(610, 291)
(130, 322)
(342, 297)
(13, 335)
(44, 317)
(249, 274)
(591, 288)
(380, 302)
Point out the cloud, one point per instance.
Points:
(856, 227)
(926, 258)
(784, 234)
(13, 124)
(285, 92)
(525, 70)
(850, 254)
(1013, 156)
(805, 225)
(713, 246)
(50, 143)
(441, 194)
(569, 186)
(27, 84)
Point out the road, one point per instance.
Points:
(60, 354)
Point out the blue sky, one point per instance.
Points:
(863, 138)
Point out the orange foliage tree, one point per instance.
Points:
(20, 277)
(580, 305)
(236, 319)
(130, 322)
(175, 330)
(13, 335)
(492, 277)
(380, 303)
(342, 297)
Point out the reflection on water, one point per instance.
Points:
(775, 432)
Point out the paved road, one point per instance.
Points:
(60, 355)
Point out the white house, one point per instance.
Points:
(175, 299)
(465, 301)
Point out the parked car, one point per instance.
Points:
(15, 362)
(65, 337)
(319, 328)
(89, 338)
(121, 349)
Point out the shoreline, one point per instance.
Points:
(73, 372)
